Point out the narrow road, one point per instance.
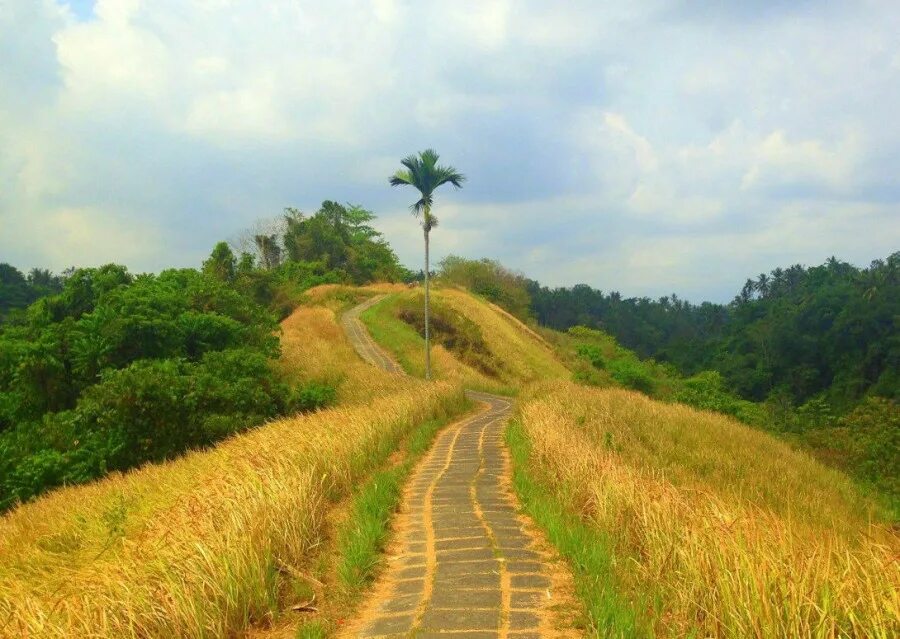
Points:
(463, 564)
(363, 342)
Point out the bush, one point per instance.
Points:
(632, 374)
(120, 370)
(593, 354)
(706, 391)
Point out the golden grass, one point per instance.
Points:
(524, 355)
(315, 348)
(731, 532)
(201, 546)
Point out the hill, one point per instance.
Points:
(674, 520)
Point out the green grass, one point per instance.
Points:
(403, 342)
(315, 629)
(393, 335)
(589, 552)
(363, 538)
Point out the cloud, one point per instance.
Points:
(649, 146)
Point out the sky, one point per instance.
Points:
(649, 147)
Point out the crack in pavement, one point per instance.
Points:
(463, 564)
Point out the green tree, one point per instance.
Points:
(221, 263)
(425, 174)
(340, 238)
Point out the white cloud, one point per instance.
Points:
(629, 146)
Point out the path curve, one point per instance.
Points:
(463, 564)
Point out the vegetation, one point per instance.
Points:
(117, 370)
(425, 174)
(108, 370)
(18, 291)
(703, 541)
(482, 336)
(491, 280)
(341, 239)
(798, 334)
(587, 549)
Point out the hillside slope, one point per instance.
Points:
(708, 526)
(692, 522)
(210, 543)
(476, 343)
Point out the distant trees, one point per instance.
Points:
(342, 239)
(17, 291)
(792, 334)
(423, 172)
(221, 263)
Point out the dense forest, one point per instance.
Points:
(828, 331)
(102, 369)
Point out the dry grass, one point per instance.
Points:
(718, 530)
(315, 348)
(523, 354)
(201, 546)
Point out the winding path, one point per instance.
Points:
(463, 564)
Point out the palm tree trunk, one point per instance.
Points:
(427, 342)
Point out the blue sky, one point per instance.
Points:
(648, 147)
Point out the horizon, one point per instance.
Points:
(648, 149)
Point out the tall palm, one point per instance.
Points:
(424, 173)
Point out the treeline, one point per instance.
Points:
(828, 332)
(102, 369)
(19, 291)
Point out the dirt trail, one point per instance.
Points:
(463, 563)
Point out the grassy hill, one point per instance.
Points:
(476, 343)
(676, 521)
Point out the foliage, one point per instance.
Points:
(706, 390)
(423, 173)
(341, 239)
(866, 442)
(829, 330)
(18, 291)
(489, 279)
(117, 370)
(221, 263)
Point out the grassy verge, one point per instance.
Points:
(361, 537)
(588, 551)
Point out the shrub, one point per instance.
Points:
(706, 390)
(632, 374)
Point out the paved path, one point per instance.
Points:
(363, 342)
(463, 564)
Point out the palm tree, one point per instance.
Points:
(762, 285)
(423, 172)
